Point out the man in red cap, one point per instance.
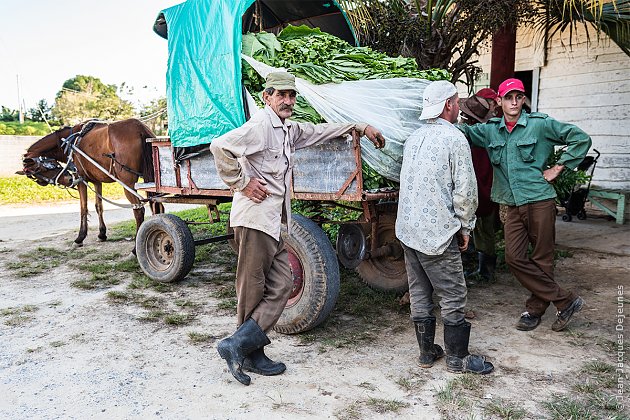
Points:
(518, 146)
(479, 108)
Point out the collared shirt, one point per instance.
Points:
(519, 157)
(263, 148)
(438, 189)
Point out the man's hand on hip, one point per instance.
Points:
(375, 136)
(551, 174)
(255, 190)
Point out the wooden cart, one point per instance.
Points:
(328, 174)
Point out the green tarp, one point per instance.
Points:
(203, 78)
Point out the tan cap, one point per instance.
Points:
(280, 80)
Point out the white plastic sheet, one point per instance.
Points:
(391, 105)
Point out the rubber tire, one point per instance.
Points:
(175, 233)
(567, 217)
(581, 215)
(321, 277)
(385, 273)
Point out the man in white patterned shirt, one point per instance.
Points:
(436, 212)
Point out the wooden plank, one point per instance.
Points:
(590, 77)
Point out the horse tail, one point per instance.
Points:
(147, 154)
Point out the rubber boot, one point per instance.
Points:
(258, 362)
(425, 333)
(247, 338)
(458, 359)
(487, 266)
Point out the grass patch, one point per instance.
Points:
(382, 406)
(200, 338)
(359, 316)
(57, 343)
(228, 305)
(17, 316)
(38, 261)
(178, 319)
(22, 190)
(152, 316)
(505, 410)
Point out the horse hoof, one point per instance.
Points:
(103, 239)
(78, 244)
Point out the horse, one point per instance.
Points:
(118, 147)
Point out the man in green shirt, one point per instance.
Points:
(518, 145)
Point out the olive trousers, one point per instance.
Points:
(263, 277)
(535, 224)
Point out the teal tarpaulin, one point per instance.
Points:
(203, 78)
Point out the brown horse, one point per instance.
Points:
(119, 147)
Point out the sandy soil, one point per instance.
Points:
(67, 352)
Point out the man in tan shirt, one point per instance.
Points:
(256, 161)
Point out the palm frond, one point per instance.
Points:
(610, 17)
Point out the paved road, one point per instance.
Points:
(42, 221)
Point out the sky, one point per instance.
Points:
(43, 43)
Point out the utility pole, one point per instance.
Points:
(17, 76)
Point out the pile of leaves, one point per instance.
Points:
(319, 57)
(568, 180)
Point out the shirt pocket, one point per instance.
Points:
(526, 148)
(494, 151)
(272, 162)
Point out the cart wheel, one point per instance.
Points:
(315, 277)
(165, 248)
(566, 217)
(385, 273)
(581, 214)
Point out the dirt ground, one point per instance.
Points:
(83, 334)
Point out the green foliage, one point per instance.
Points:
(22, 190)
(7, 114)
(567, 179)
(85, 97)
(438, 34)
(323, 58)
(27, 129)
(41, 113)
(154, 116)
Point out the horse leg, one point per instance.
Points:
(84, 214)
(138, 213)
(102, 229)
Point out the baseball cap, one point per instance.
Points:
(434, 97)
(486, 93)
(280, 80)
(509, 85)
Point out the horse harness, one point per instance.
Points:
(69, 145)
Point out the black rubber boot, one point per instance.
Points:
(487, 266)
(247, 338)
(258, 362)
(458, 359)
(425, 333)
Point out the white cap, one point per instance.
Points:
(434, 97)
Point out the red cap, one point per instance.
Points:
(486, 93)
(510, 85)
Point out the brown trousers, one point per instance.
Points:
(535, 224)
(263, 277)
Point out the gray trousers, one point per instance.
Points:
(263, 277)
(442, 274)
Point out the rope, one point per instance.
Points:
(124, 206)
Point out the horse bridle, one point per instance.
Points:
(45, 164)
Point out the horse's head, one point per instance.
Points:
(41, 160)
